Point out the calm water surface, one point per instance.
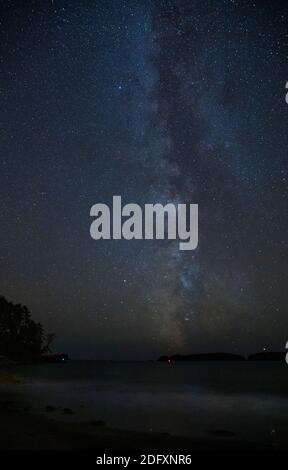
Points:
(189, 399)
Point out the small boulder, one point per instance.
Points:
(50, 409)
(221, 433)
(97, 422)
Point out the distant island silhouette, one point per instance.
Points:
(227, 357)
(202, 357)
(268, 356)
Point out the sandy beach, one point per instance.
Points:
(24, 427)
(23, 430)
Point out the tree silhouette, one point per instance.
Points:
(20, 336)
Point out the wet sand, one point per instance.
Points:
(22, 427)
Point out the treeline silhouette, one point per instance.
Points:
(21, 338)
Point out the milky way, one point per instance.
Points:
(173, 101)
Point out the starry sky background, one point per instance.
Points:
(156, 101)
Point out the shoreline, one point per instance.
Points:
(24, 427)
(21, 428)
(24, 430)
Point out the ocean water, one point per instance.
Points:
(183, 399)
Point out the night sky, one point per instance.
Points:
(156, 101)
